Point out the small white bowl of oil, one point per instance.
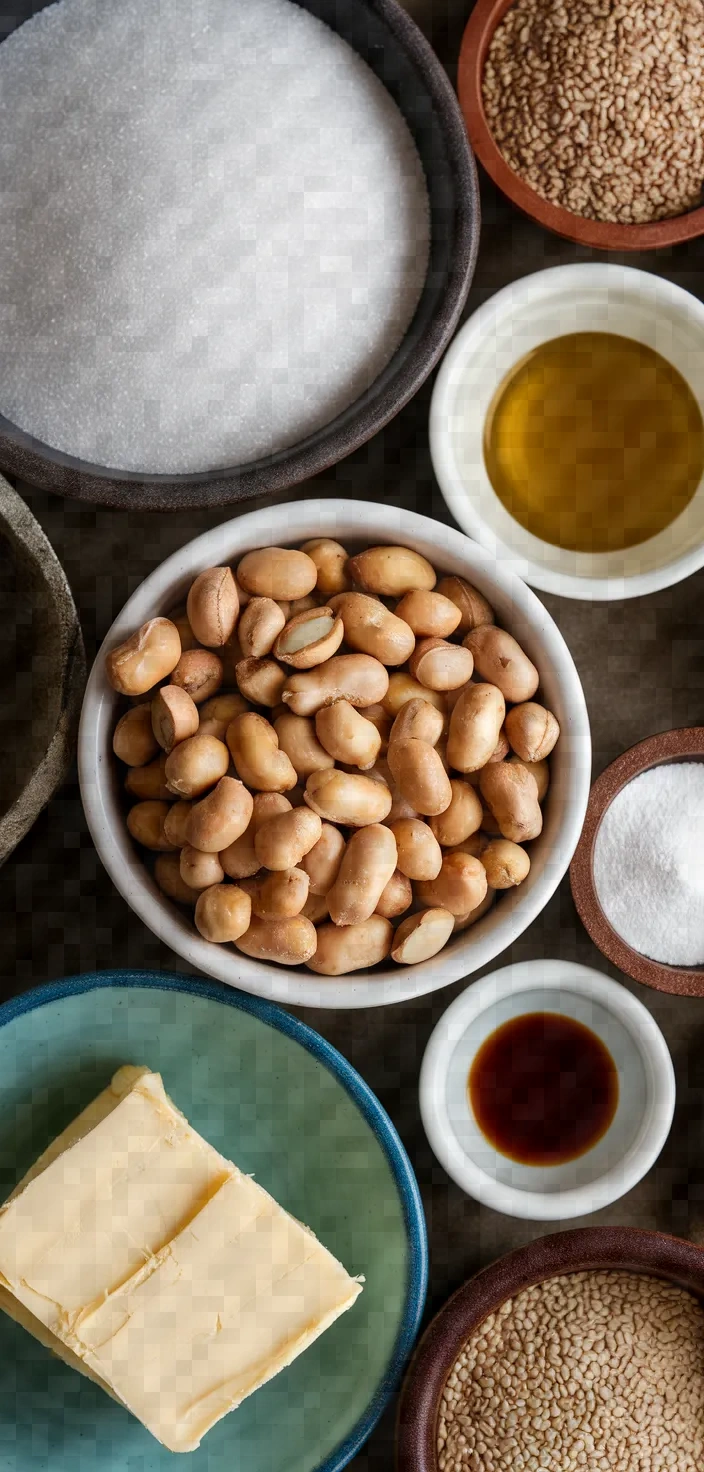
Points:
(547, 1090)
(567, 430)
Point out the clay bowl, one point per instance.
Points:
(624, 1249)
(42, 671)
(684, 745)
(392, 45)
(601, 235)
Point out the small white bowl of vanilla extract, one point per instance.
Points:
(567, 430)
(547, 1090)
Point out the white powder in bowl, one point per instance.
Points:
(214, 229)
(649, 863)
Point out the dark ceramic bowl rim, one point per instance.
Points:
(626, 1249)
(32, 548)
(600, 234)
(29, 459)
(686, 742)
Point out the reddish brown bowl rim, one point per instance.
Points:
(600, 234)
(628, 1249)
(684, 744)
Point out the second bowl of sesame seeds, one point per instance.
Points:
(581, 1350)
(589, 114)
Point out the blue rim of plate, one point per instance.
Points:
(362, 1096)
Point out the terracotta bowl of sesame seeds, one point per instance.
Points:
(450, 1420)
(599, 233)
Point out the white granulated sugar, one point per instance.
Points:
(649, 863)
(214, 229)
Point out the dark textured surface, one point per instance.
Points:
(642, 664)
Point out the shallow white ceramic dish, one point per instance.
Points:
(643, 1115)
(356, 523)
(598, 298)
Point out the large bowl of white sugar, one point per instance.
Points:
(234, 240)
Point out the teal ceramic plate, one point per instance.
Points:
(278, 1100)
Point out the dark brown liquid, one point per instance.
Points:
(543, 1089)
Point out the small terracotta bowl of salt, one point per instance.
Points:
(599, 234)
(599, 906)
(624, 1265)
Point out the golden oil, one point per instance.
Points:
(594, 442)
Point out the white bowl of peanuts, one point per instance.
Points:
(341, 776)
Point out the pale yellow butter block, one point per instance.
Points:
(151, 1263)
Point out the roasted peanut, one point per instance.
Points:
(199, 672)
(174, 716)
(418, 720)
(429, 615)
(259, 627)
(379, 718)
(402, 688)
(473, 607)
(419, 853)
(396, 898)
(145, 822)
(278, 573)
(330, 559)
(309, 638)
(511, 793)
(239, 859)
(298, 739)
(134, 741)
(367, 865)
(167, 872)
(342, 948)
(144, 659)
(281, 893)
(348, 798)
(322, 862)
(223, 913)
(462, 818)
(221, 817)
(283, 841)
(290, 941)
(475, 725)
(438, 665)
(539, 770)
(150, 781)
(501, 750)
(506, 863)
(347, 735)
(315, 908)
(216, 714)
(459, 887)
(213, 606)
(254, 746)
(195, 765)
(200, 870)
(176, 823)
(372, 629)
(179, 617)
(462, 922)
(391, 571)
(354, 677)
(422, 936)
(532, 731)
(499, 659)
(260, 680)
(420, 776)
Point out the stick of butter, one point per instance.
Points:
(149, 1262)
